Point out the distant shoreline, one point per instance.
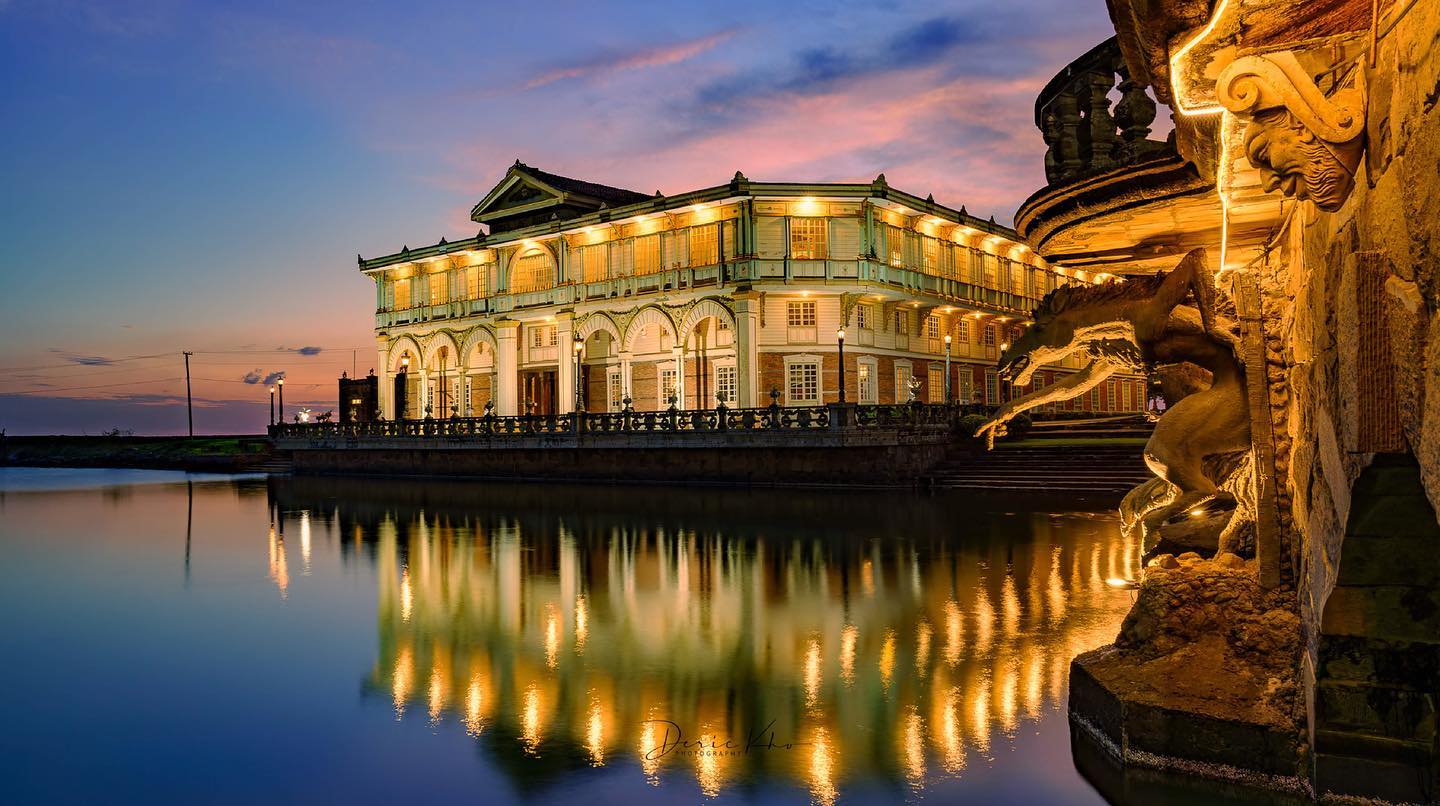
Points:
(212, 454)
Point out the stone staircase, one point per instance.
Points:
(277, 463)
(1377, 675)
(1110, 470)
(1128, 426)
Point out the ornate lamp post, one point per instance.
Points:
(947, 369)
(840, 341)
(402, 387)
(272, 405)
(281, 383)
(579, 389)
(1006, 389)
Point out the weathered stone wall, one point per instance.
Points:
(874, 457)
(1353, 342)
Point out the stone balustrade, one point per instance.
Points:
(1084, 132)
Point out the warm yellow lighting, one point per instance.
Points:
(407, 594)
(840, 334)
(887, 658)
(595, 735)
(812, 673)
(552, 636)
(1183, 107)
(1004, 345)
(822, 768)
(530, 720)
(582, 624)
(474, 701)
(401, 681)
(437, 694)
(947, 339)
(1125, 584)
(848, 639)
(282, 380)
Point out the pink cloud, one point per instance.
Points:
(653, 57)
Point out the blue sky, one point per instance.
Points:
(201, 175)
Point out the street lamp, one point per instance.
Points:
(840, 340)
(281, 383)
(272, 405)
(579, 390)
(947, 369)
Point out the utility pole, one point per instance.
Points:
(189, 409)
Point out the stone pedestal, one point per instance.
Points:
(1202, 678)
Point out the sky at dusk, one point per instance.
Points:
(200, 176)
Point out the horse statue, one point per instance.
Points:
(1145, 323)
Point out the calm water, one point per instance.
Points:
(237, 639)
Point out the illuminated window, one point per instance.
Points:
(803, 382)
(936, 378)
(800, 314)
(726, 384)
(989, 337)
(992, 387)
(865, 381)
(930, 255)
(807, 238)
(704, 245)
(864, 317)
(932, 326)
(668, 387)
(902, 322)
(542, 336)
(592, 262)
(962, 331)
(902, 383)
(531, 272)
(1112, 395)
(647, 254)
(402, 294)
(614, 390)
(895, 244)
(1095, 399)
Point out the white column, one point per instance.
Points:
(387, 381)
(625, 387)
(747, 363)
(679, 353)
(507, 367)
(565, 357)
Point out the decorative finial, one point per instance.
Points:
(880, 180)
(659, 195)
(930, 198)
(962, 210)
(739, 177)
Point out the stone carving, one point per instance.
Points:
(1138, 325)
(1307, 145)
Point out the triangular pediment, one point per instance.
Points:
(527, 195)
(516, 194)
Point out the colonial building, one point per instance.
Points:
(581, 293)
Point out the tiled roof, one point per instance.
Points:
(612, 196)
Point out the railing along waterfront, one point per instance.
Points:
(668, 421)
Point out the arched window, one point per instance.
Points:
(531, 272)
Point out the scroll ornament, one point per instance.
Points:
(1306, 144)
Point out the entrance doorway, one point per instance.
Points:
(537, 388)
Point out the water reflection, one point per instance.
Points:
(817, 649)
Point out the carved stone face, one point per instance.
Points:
(1294, 161)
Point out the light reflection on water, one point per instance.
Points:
(805, 646)
(597, 637)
